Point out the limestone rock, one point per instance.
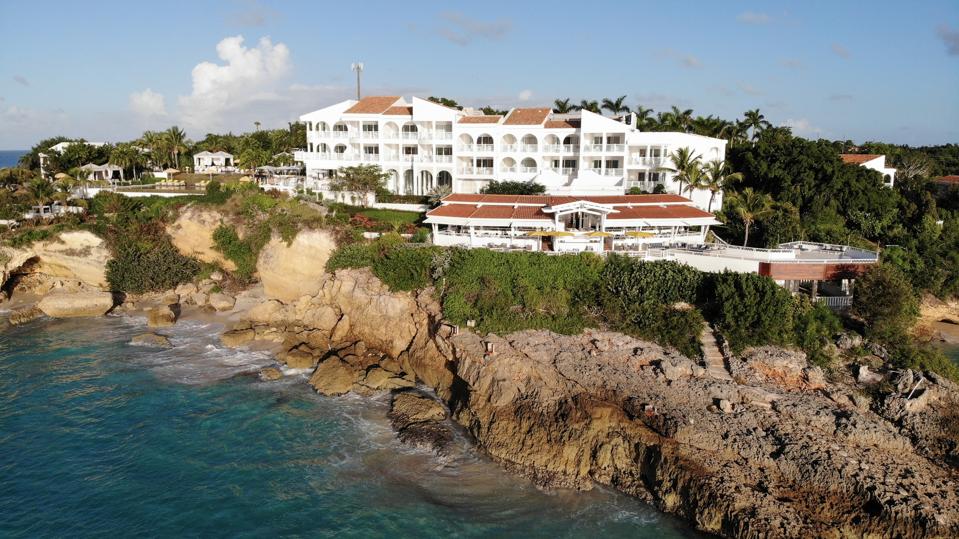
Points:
(417, 420)
(77, 304)
(192, 235)
(161, 316)
(415, 407)
(289, 272)
(151, 339)
(237, 337)
(185, 290)
(75, 256)
(270, 374)
(333, 377)
(298, 359)
(216, 276)
(221, 301)
(199, 298)
(24, 315)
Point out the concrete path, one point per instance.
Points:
(712, 356)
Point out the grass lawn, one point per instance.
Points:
(394, 217)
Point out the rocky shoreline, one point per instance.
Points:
(774, 449)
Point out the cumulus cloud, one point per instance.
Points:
(950, 37)
(462, 30)
(683, 59)
(752, 17)
(840, 51)
(247, 76)
(525, 95)
(803, 127)
(21, 80)
(148, 103)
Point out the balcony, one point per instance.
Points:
(465, 147)
(443, 135)
(339, 134)
(370, 158)
(476, 171)
(593, 148)
(529, 148)
(509, 147)
(507, 169)
(552, 148)
(570, 148)
(567, 171)
(527, 170)
(409, 136)
(484, 147)
(424, 159)
(342, 156)
(646, 161)
(369, 135)
(615, 147)
(613, 172)
(443, 158)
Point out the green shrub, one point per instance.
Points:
(354, 255)
(138, 267)
(751, 310)
(886, 303)
(635, 281)
(405, 268)
(240, 252)
(911, 355)
(816, 325)
(215, 194)
(422, 235)
(666, 325)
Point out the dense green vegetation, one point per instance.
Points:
(529, 187)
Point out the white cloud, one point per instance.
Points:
(525, 95)
(803, 127)
(249, 76)
(751, 17)
(148, 103)
(841, 51)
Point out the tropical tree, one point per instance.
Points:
(717, 177)
(751, 205)
(41, 191)
(252, 157)
(562, 106)
(157, 144)
(361, 179)
(685, 166)
(256, 125)
(592, 106)
(755, 121)
(615, 106)
(176, 143)
(127, 156)
(644, 117)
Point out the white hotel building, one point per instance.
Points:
(423, 145)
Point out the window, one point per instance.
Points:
(598, 141)
(554, 163)
(657, 152)
(484, 163)
(409, 128)
(569, 163)
(371, 128)
(339, 127)
(485, 140)
(410, 150)
(642, 152)
(597, 164)
(371, 150)
(614, 139)
(444, 150)
(612, 163)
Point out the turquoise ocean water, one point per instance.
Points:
(100, 438)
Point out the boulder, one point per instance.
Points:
(291, 271)
(299, 359)
(216, 276)
(199, 298)
(185, 290)
(237, 337)
(76, 304)
(151, 339)
(270, 373)
(415, 407)
(24, 315)
(161, 316)
(418, 421)
(221, 301)
(75, 256)
(192, 235)
(333, 377)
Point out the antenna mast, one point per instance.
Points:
(358, 67)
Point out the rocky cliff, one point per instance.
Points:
(772, 451)
(70, 261)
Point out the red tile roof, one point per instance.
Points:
(658, 212)
(399, 111)
(562, 124)
(453, 210)
(527, 116)
(858, 158)
(531, 207)
(554, 200)
(490, 119)
(372, 105)
(949, 180)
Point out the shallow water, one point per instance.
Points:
(98, 438)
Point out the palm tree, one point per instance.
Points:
(156, 143)
(685, 166)
(126, 156)
(718, 177)
(256, 124)
(592, 106)
(754, 120)
(615, 106)
(176, 142)
(563, 106)
(41, 191)
(682, 118)
(643, 117)
(750, 205)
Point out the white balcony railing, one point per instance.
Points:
(507, 169)
(409, 136)
(371, 157)
(646, 161)
(592, 147)
(466, 147)
(443, 158)
(567, 171)
(484, 170)
(555, 148)
(532, 148)
(370, 134)
(339, 134)
(527, 170)
(484, 147)
(570, 148)
(425, 159)
(443, 135)
(467, 170)
(613, 172)
(509, 147)
(615, 147)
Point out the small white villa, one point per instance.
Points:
(59, 148)
(213, 162)
(872, 161)
(107, 172)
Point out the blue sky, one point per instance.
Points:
(108, 70)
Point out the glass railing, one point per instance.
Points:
(615, 147)
(529, 148)
(484, 147)
(509, 147)
(570, 148)
(527, 170)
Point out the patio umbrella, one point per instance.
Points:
(638, 234)
(172, 171)
(538, 233)
(559, 233)
(598, 234)
(60, 175)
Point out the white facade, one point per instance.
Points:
(423, 145)
(59, 148)
(204, 162)
(873, 162)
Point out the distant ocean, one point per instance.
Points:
(9, 158)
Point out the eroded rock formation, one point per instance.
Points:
(192, 235)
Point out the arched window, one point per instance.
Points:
(393, 182)
(410, 128)
(340, 126)
(407, 182)
(528, 165)
(484, 140)
(340, 148)
(444, 179)
(571, 140)
(322, 126)
(509, 165)
(323, 148)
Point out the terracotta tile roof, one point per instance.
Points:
(493, 212)
(858, 158)
(489, 119)
(562, 124)
(531, 212)
(372, 105)
(949, 180)
(555, 200)
(453, 210)
(527, 116)
(658, 212)
(531, 207)
(399, 111)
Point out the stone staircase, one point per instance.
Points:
(713, 358)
